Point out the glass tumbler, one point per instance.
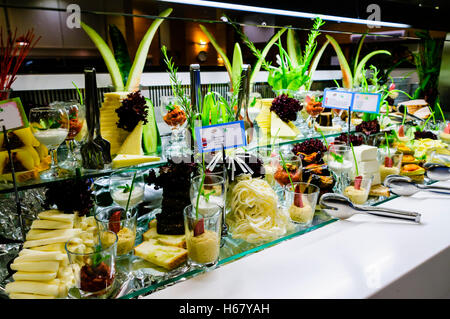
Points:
(120, 222)
(339, 159)
(358, 191)
(203, 234)
(93, 266)
(121, 190)
(300, 201)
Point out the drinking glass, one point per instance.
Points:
(93, 266)
(122, 192)
(300, 201)
(50, 126)
(396, 162)
(270, 157)
(77, 121)
(122, 223)
(313, 106)
(339, 160)
(292, 163)
(203, 233)
(174, 116)
(359, 194)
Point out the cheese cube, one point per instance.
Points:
(365, 153)
(367, 167)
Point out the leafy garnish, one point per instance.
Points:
(354, 158)
(126, 188)
(285, 168)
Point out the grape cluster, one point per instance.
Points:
(286, 107)
(356, 140)
(368, 127)
(309, 146)
(424, 134)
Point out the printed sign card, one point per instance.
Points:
(353, 101)
(337, 99)
(12, 114)
(215, 137)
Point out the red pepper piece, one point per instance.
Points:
(388, 162)
(447, 129)
(401, 131)
(298, 197)
(199, 227)
(358, 180)
(114, 221)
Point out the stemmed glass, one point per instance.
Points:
(313, 106)
(50, 126)
(339, 160)
(76, 114)
(174, 116)
(124, 181)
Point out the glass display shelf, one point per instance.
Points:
(140, 278)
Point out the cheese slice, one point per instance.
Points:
(34, 276)
(50, 224)
(58, 246)
(34, 234)
(168, 257)
(29, 296)
(50, 288)
(56, 215)
(36, 266)
(40, 256)
(46, 241)
(282, 129)
(169, 240)
(133, 143)
(123, 160)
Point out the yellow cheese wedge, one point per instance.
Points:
(59, 246)
(133, 143)
(56, 215)
(263, 119)
(36, 266)
(49, 288)
(26, 136)
(33, 153)
(42, 150)
(34, 276)
(168, 257)
(40, 256)
(29, 296)
(45, 241)
(50, 224)
(282, 129)
(123, 160)
(34, 234)
(24, 158)
(3, 160)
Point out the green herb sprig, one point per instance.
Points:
(338, 158)
(285, 168)
(354, 158)
(131, 190)
(387, 144)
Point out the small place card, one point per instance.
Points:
(215, 137)
(353, 101)
(12, 114)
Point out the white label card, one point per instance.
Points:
(12, 115)
(353, 101)
(215, 137)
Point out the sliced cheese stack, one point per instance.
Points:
(167, 251)
(109, 118)
(368, 165)
(29, 156)
(43, 270)
(270, 123)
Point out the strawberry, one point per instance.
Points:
(358, 180)
(114, 221)
(392, 87)
(447, 129)
(388, 162)
(298, 197)
(199, 227)
(401, 131)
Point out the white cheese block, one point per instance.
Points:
(46, 241)
(34, 276)
(40, 256)
(366, 167)
(29, 296)
(365, 153)
(50, 224)
(34, 234)
(59, 246)
(50, 288)
(56, 215)
(36, 266)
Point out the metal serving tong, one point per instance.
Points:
(339, 206)
(404, 186)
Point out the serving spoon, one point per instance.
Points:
(404, 186)
(339, 206)
(437, 172)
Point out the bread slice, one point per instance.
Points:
(379, 190)
(168, 257)
(169, 240)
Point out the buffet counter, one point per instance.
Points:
(362, 257)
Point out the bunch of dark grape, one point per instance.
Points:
(286, 107)
(133, 109)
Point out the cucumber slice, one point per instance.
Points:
(151, 140)
(107, 55)
(134, 78)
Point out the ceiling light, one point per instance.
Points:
(240, 7)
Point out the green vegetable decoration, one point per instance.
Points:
(234, 69)
(285, 168)
(151, 139)
(353, 78)
(338, 158)
(117, 62)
